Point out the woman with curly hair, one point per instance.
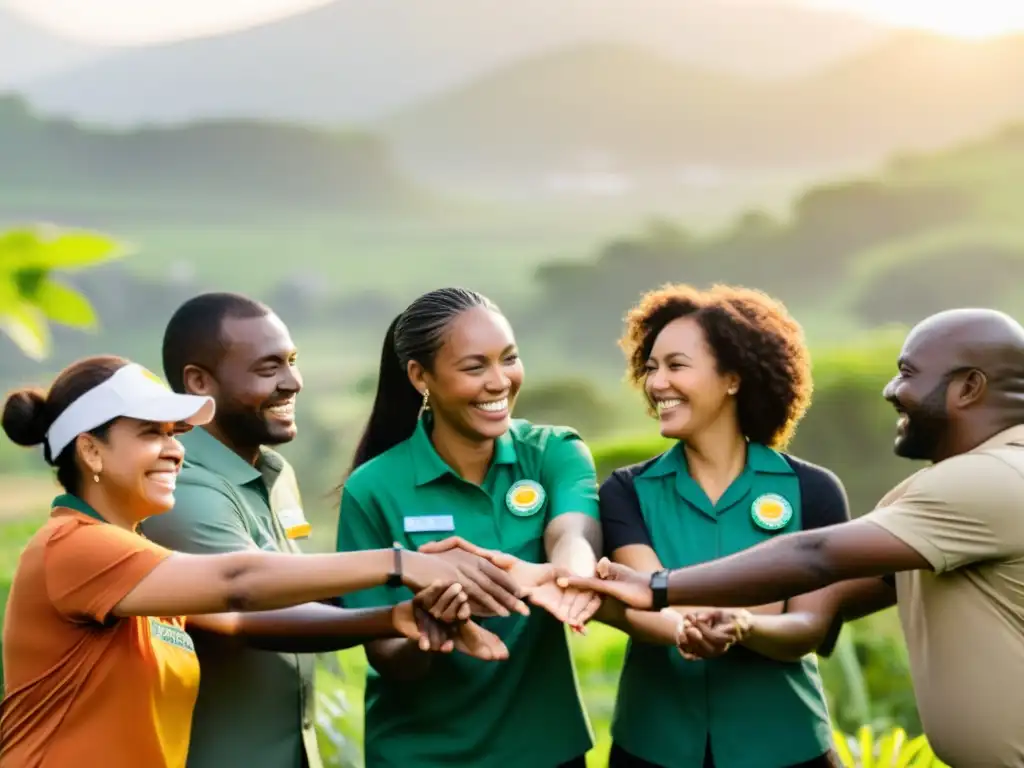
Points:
(727, 374)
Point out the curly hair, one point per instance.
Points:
(751, 335)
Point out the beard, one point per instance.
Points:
(248, 427)
(926, 426)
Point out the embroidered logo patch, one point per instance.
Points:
(524, 498)
(771, 512)
(167, 633)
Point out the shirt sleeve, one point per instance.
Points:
(622, 521)
(90, 568)
(362, 527)
(823, 498)
(961, 511)
(204, 521)
(569, 477)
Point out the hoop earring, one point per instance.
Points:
(426, 403)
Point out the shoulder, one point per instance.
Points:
(822, 495)
(388, 467)
(814, 475)
(624, 478)
(984, 476)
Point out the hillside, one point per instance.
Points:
(933, 231)
(642, 114)
(227, 164)
(354, 61)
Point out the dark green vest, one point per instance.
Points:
(758, 713)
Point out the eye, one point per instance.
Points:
(512, 358)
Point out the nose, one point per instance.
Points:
(889, 391)
(174, 449)
(656, 379)
(291, 380)
(498, 381)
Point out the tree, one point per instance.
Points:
(31, 298)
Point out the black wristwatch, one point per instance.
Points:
(395, 577)
(659, 589)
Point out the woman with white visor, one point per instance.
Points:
(99, 666)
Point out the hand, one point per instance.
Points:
(540, 580)
(473, 640)
(710, 633)
(491, 591)
(420, 571)
(617, 581)
(426, 617)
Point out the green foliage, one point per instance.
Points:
(576, 402)
(893, 749)
(30, 296)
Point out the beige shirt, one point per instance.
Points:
(964, 621)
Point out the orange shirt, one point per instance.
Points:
(85, 688)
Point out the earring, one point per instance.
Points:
(96, 477)
(426, 402)
(732, 390)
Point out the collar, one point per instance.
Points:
(205, 450)
(1012, 436)
(760, 458)
(74, 503)
(429, 466)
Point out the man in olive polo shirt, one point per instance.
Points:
(255, 708)
(953, 533)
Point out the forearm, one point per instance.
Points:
(399, 659)
(786, 636)
(310, 628)
(573, 543)
(651, 627)
(798, 563)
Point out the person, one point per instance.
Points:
(443, 466)
(722, 487)
(99, 663)
(256, 705)
(951, 533)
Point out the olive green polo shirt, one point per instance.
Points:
(255, 708)
(523, 712)
(749, 709)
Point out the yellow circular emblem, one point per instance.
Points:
(771, 511)
(524, 498)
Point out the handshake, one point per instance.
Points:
(455, 580)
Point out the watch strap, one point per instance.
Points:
(659, 589)
(395, 577)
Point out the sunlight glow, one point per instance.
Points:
(958, 18)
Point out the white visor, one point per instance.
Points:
(132, 392)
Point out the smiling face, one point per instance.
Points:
(476, 375)
(683, 383)
(255, 382)
(137, 462)
(919, 392)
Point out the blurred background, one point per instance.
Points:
(858, 159)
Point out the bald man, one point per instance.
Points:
(953, 533)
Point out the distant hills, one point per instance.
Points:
(625, 110)
(355, 61)
(242, 166)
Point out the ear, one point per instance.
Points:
(971, 389)
(417, 376)
(198, 381)
(88, 450)
(732, 383)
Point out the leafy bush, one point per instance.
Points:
(890, 750)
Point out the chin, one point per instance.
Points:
(281, 435)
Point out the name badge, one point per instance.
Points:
(293, 520)
(429, 524)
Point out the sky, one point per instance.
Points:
(135, 22)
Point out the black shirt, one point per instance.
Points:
(823, 502)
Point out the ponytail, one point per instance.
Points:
(396, 406)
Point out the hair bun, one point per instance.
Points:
(25, 419)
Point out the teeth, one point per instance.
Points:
(664, 405)
(283, 408)
(494, 407)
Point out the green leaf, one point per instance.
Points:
(50, 248)
(65, 305)
(27, 328)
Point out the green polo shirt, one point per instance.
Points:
(525, 711)
(255, 708)
(669, 709)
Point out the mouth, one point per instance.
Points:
(166, 478)
(902, 417)
(494, 409)
(284, 411)
(666, 405)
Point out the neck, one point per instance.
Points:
(966, 437)
(469, 458)
(248, 453)
(110, 509)
(717, 456)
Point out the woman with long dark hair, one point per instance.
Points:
(443, 466)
